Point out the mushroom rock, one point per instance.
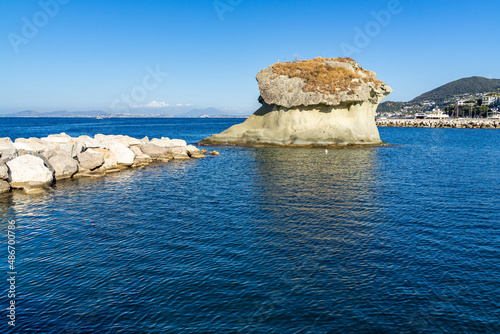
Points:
(318, 102)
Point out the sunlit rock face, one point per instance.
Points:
(321, 102)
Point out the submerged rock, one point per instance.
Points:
(315, 102)
(4, 186)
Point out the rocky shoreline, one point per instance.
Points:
(34, 164)
(441, 123)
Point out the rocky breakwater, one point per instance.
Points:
(467, 123)
(317, 102)
(36, 163)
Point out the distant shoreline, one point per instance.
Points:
(127, 116)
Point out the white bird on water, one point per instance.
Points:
(326, 151)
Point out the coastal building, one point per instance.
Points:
(490, 100)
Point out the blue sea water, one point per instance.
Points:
(396, 239)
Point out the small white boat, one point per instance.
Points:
(420, 115)
(436, 113)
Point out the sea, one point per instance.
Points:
(403, 238)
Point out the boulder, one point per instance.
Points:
(64, 165)
(60, 138)
(155, 152)
(38, 155)
(194, 152)
(7, 149)
(317, 102)
(73, 148)
(214, 152)
(90, 142)
(32, 144)
(140, 157)
(90, 160)
(179, 153)
(107, 140)
(28, 171)
(4, 186)
(166, 142)
(124, 156)
(4, 171)
(110, 160)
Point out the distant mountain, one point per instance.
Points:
(201, 112)
(59, 113)
(472, 85)
(25, 113)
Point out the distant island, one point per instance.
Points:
(467, 97)
(195, 113)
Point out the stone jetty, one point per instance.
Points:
(471, 123)
(34, 164)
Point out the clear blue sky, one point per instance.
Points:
(88, 54)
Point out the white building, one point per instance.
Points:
(489, 100)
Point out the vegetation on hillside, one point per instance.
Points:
(471, 85)
(323, 78)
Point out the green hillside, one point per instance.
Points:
(472, 85)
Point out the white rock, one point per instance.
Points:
(140, 157)
(64, 165)
(60, 138)
(179, 152)
(29, 171)
(110, 159)
(107, 140)
(124, 156)
(194, 152)
(177, 143)
(32, 144)
(90, 142)
(7, 149)
(90, 160)
(4, 171)
(160, 142)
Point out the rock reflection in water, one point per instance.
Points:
(322, 218)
